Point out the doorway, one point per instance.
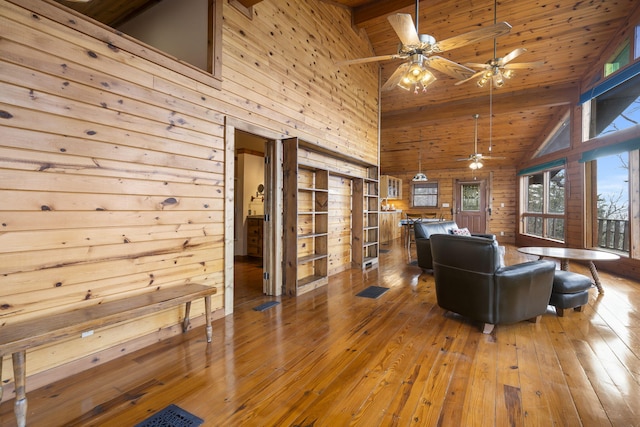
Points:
(257, 277)
(250, 213)
(471, 206)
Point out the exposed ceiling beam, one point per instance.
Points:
(248, 3)
(502, 103)
(374, 9)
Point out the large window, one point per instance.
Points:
(424, 194)
(615, 110)
(612, 202)
(544, 204)
(612, 165)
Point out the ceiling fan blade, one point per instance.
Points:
(478, 74)
(495, 30)
(396, 76)
(369, 59)
(477, 65)
(404, 27)
(523, 65)
(511, 55)
(450, 68)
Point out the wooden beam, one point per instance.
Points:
(375, 9)
(248, 3)
(502, 103)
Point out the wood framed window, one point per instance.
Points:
(424, 194)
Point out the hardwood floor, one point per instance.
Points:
(330, 358)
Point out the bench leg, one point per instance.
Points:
(185, 323)
(207, 316)
(19, 368)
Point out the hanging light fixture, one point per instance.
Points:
(476, 158)
(497, 70)
(418, 76)
(420, 177)
(495, 74)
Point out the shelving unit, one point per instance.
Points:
(306, 210)
(307, 173)
(366, 224)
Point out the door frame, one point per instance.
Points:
(272, 247)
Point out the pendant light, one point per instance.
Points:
(420, 177)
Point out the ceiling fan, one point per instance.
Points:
(420, 50)
(497, 70)
(476, 158)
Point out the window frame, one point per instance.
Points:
(545, 215)
(427, 184)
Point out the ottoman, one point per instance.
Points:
(570, 290)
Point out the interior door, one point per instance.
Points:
(471, 206)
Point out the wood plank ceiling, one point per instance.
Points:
(567, 35)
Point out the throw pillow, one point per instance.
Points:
(461, 232)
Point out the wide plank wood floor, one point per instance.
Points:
(330, 358)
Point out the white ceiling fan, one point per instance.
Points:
(421, 50)
(477, 158)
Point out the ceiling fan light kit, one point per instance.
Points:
(417, 76)
(476, 164)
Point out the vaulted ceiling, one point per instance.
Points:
(569, 36)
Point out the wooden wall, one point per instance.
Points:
(112, 165)
(502, 185)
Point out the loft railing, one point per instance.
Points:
(613, 234)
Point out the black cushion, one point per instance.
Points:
(566, 282)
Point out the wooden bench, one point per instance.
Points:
(17, 338)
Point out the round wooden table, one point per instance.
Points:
(565, 254)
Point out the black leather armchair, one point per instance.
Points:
(470, 281)
(424, 230)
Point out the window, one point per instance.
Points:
(559, 139)
(175, 28)
(619, 59)
(615, 109)
(544, 204)
(612, 166)
(424, 194)
(612, 202)
(636, 43)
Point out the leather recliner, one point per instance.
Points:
(424, 230)
(470, 281)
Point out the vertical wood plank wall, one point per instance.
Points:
(112, 172)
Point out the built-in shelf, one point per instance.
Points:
(306, 195)
(366, 226)
(306, 213)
